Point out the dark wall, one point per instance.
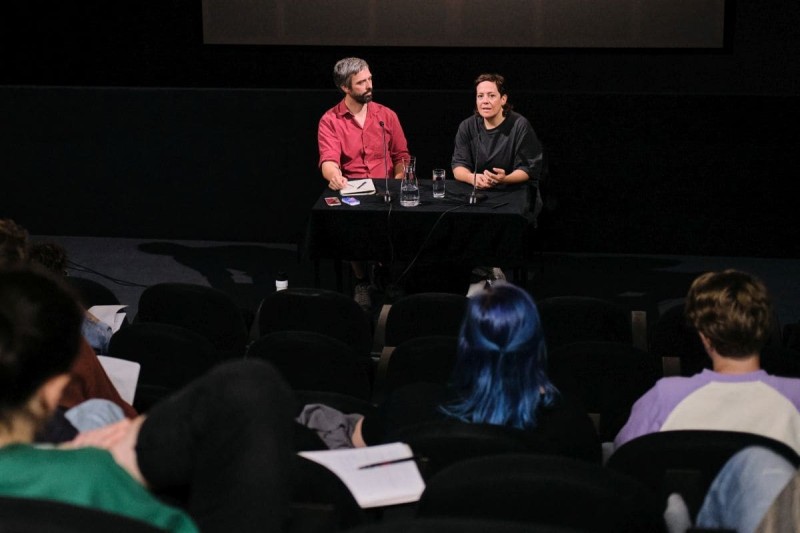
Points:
(123, 114)
(160, 44)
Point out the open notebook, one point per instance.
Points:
(111, 315)
(388, 484)
(362, 187)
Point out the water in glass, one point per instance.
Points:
(409, 187)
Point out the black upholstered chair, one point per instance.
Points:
(458, 525)
(202, 309)
(686, 461)
(170, 357)
(317, 310)
(542, 489)
(320, 502)
(314, 361)
(420, 359)
(423, 314)
(608, 377)
(92, 292)
(23, 515)
(678, 345)
(567, 319)
(416, 315)
(443, 443)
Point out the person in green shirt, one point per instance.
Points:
(225, 439)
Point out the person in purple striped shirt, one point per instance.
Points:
(732, 313)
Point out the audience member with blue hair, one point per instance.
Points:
(500, 375)
(499, 378)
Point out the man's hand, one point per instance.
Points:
(337, 183)
(333, 174)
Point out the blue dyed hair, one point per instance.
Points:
(500, 373)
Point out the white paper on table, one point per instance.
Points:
(110, 315)
(362, 187)
(374, 487)
(124, 375)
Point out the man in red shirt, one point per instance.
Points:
(351, 134)
(359, 138)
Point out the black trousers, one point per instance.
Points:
(227, 438)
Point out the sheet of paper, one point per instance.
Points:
(374, 487)
(124, 375)
(358, 188)
(109, 314)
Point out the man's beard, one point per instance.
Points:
(364, 98)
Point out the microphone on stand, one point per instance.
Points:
(474, 198)
(387, 198)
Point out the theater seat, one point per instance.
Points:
(204, 310)
(687, 461)
(541, 489)
(22, 515)
(315, 362)
(317, 310)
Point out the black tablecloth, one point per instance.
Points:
(493, 232)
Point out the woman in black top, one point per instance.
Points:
(496, 145)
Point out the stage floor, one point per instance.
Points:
(247, 271)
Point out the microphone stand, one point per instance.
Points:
(387, 197)
(474, 198)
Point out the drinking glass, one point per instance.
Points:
(438, 182)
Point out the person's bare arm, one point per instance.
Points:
(464, 174)
(357, 438)
(119, 439)
(333, 174)
(498, 176)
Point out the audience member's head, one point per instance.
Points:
(39, 335)
(500, 372)
(13, 243)
(49, 255)
(732, 310)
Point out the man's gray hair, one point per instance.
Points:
(344, 69)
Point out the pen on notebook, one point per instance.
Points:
(393, 461)
(361, 184)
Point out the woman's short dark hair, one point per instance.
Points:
(40, 324)
(500, 374)
(500, 82)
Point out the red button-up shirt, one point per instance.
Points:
(359, 151)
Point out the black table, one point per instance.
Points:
(492, 232)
